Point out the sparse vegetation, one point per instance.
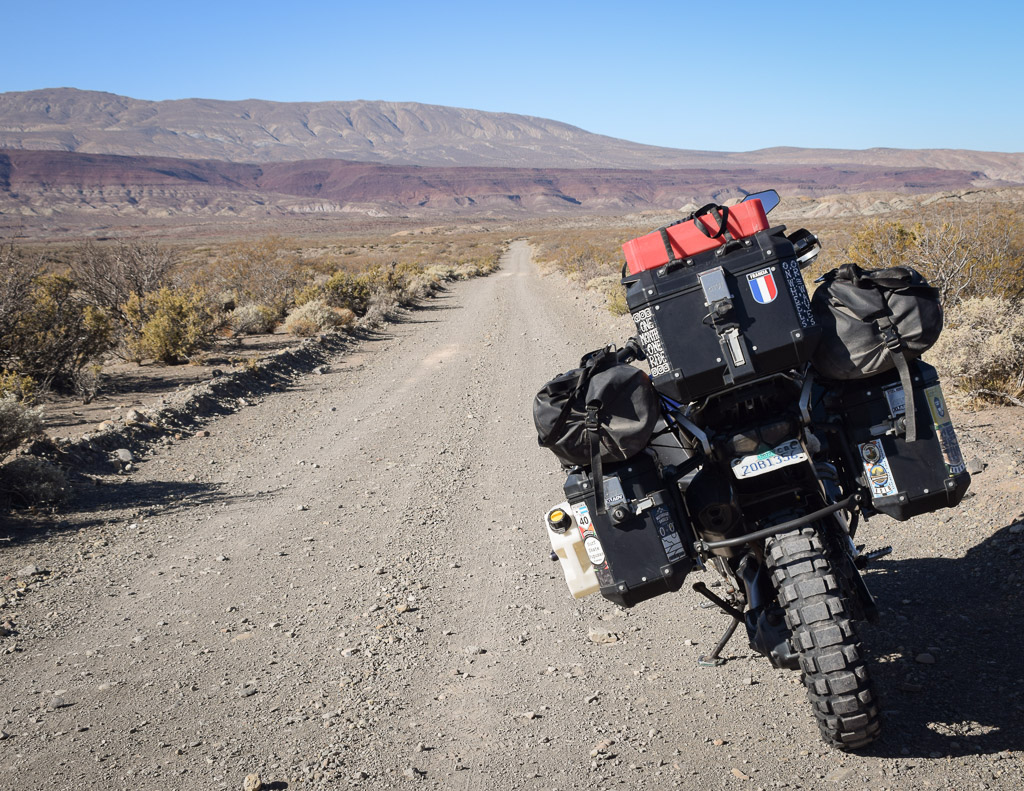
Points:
(252, 319)
(17, 423)
(55, 333)
(317, 316)
(981, 351)
(28, 481)
(174, 324)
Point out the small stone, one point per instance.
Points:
(925, 659)
(976, 466)
(413, 773)
(247, 691)
(30, 570)
(718, 742)
(602, 636)
(252, 783)
(592, 698)
(57, 701)
(302, 508)
(222, 558)
(739, 774)
(402, 608)
(124, 455)
(474, 650)
(134, 416)
(530, 715)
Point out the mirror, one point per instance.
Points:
(769, 199)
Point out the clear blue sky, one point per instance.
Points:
(716, 74)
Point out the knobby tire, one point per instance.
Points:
(834, 670)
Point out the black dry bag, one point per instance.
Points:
(873, 321)
(602, 411)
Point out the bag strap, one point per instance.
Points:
(593, 425)
(592, 366)
(894, 344)
(556, 428)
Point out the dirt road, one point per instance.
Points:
(348, 584)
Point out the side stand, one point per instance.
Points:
(713, 659)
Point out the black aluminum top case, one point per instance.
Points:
(723, 317)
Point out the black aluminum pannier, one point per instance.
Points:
(643, 539)
(904, 478)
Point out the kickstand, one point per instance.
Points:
(713, 659)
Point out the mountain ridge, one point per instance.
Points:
(404, 133)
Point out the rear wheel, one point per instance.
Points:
(833, 666)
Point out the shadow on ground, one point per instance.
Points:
(968, 614)
(93, 500)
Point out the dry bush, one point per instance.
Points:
(112, 275)
(178, 324)
(962, 254)
(252, 319)
(17, 423)
(317, 316)
(29, 481)
(23, 388)
(347, 290)
(17, 277)
(265, 271)
(55, 333)
(981, 350)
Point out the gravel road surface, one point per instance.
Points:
(348, 584)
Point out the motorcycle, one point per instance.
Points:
(752, 464)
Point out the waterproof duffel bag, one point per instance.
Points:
(873, 321)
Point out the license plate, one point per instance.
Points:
(785, 454)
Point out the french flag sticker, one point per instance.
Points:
(762, 286)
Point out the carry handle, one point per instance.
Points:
(721, 213)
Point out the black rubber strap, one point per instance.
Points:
(668, 244)
(594, 440)
(579, 390)
(895, 346)
(702, 225)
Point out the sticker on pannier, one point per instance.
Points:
(877, 467)
(955, 463)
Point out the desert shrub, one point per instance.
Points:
(23, 388)
(17, 277)
(317, 316)
(17, 423)
(963, 255)
(348, 290)
(111, 275)
(252, 319)
(264, 271)
(55, 334)
(179, 324)
(30, 481)
(382, 307)
(982, 347)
